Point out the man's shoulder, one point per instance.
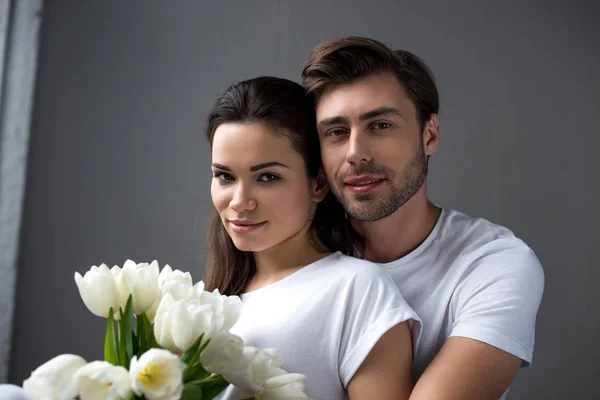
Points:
(468, 233)
(485, 245)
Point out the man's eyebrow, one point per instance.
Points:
(332, 121)
(377, 112)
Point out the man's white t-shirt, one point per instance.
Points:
(324, 319)
(474, 279)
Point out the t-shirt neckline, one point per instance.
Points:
(422, 247)
(290, 277)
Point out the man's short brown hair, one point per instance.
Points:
(346, 60)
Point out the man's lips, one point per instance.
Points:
(363, 180)
(363, 184)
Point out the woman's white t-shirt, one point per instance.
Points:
(324, 319)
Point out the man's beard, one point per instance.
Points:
(366, 207)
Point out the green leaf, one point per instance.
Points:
(125, 329)
(149, 332)
(191, 392)
(212, 392)
(195, 372)
(141, 336)
(212, 386)
(189, 356)
(136, 344)
(213, 380)
(201, 349)
(196, 357)
(111, 353)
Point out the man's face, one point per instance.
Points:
(372, 146)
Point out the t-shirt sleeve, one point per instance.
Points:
(498, 298)
(373, 306)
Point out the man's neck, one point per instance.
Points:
(395, 236)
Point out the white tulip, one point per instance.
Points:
(232, 309)
(13, 392)
(173, 281)
(226, 308)
(141, 282)
(157, 375)
(99, 291)
(245, 367)
(264, 363)
(100, 380)
(225, 355)
(179, 323)
(116, 271)
(53, 380)
(283, 387)
(176, 282)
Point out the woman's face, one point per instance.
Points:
(260, 187)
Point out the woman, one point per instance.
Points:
(278, 240)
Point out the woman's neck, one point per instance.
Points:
(284, 259)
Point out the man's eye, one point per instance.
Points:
(382, 125)
(335, 132)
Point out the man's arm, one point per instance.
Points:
(493, 312)
(467, 369)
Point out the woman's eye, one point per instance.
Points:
(222, 176)
(268, 178)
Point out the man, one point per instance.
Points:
(475, 285)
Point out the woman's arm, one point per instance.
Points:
(386, 373)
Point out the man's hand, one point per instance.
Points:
(467, 369)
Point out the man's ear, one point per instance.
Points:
(319, 187)
(431, 135)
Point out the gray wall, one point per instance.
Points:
(118, 166)
(19, 34)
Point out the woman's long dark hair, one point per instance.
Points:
(284, 105)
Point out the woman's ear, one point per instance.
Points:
(319, 187)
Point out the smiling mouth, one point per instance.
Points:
(364, 183)
(246, 226)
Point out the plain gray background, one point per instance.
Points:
(118, 166)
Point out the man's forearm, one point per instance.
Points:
(467, 369)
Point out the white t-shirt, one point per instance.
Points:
(474, 279)
(324, 319)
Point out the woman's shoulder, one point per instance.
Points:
(352, 267)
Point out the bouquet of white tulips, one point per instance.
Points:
(172, 342)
